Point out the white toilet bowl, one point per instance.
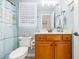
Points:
(22, 51)
(19, 53)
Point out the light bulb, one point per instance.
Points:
(48, 2)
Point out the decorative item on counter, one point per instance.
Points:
(59, 29)
(49, 30)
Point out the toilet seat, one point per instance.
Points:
(18, 52)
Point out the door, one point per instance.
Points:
(44, 50)
(75, 47)
(63, 50)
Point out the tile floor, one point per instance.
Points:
(30, 58)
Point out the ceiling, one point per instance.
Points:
(13, 1)
(40, 6)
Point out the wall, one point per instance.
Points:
(76, 15)
(69, 12)
(27, 19)
(8, 29)
(76, 29)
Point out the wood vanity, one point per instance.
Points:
(53, 46)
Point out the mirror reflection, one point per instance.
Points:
(55, 14)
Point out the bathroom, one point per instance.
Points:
(27, 25)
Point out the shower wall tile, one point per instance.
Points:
(1, 49)
(0, 14)
(8, 45)
(15, 43)
(0, 30)
(8, 31)
(7, 15)
(14, 30)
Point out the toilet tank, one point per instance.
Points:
(25, 41)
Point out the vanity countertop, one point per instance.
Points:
(65, 31)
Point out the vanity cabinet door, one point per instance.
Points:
(67, 37)
(44, 50)
(63, 50)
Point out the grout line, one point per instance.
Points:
(7, 38)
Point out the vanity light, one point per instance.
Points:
(48, 2)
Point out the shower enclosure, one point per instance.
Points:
(8, 28)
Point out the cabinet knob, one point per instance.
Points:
(39, 37)
(51, 45)
(67, 38)
(35, 46)
(55, 45)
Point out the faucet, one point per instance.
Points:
(59, 29)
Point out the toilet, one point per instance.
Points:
(22, 51)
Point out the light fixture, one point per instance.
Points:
(48, 2)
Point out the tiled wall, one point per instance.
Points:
(8, 29)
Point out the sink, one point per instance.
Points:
(65, 31)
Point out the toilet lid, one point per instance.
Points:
(19, 52)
